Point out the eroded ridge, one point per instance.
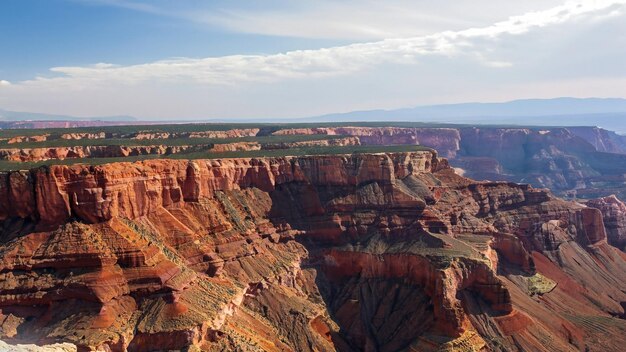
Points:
(375, 252)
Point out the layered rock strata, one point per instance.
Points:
(24, 139)
(444, 140)
(337, 142)
(84, 135)
(232, 133)
(614, 214)
(143, 135)
(586, 162)
(373, 252)
(236, 147)
(108, 151)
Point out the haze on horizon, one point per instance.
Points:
(232, 59)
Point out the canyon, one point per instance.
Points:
(107, 151)
(122, 151)
(368, 251)
(583, 162)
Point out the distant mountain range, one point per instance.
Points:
(6, 115)
(607, 113)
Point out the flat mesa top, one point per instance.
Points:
(22, 149)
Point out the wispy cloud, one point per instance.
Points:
(366, 19)
(573, 49)
(361, 20)
(127, 4)
(473, 43)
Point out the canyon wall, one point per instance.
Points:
(586, 162)
(574, 162)
(373, 252)
(108, 151)
(444, 140)
(614, 214)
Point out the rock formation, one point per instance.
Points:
(106, 151)
(373, 252)
(233, 133)
(575, 162)
(24, 139)
(337, 142)
(444, 140)
(235, 147)
(143, 135)
(614, 214)
(586, 162)
(84, 135)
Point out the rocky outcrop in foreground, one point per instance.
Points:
(374, 252)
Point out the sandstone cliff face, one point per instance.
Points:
(107, 192)
(57, 347)
(110, 151)
(84, 135)
(555, 158)
(356, 252)
(234, 147)
(614, 214)
(339, 142)
(579, 161)
(444, 140)
(22, 139)
(234, 133)
(601, 139)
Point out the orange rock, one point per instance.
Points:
(23, 139)
(235, 147)
(444, 140)
(387, 251)
(83, 135)
(111, 151)
(614, 217)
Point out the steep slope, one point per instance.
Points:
(375, 252)
(109, 151)
(585, 162)
(614, 214)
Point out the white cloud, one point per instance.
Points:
(130, 5)
(4, 83)
(330, 19)
(474, 43)
(572, 49)
(366, 19)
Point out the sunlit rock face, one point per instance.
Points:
(581, 162)
(614, 215)
(107, 151)
(372, 252)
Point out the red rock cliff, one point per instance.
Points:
(357, 252)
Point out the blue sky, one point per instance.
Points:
(39, 34)
(290, 58)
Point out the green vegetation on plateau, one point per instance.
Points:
(164, 141)
(266, 128)
(334, 150)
